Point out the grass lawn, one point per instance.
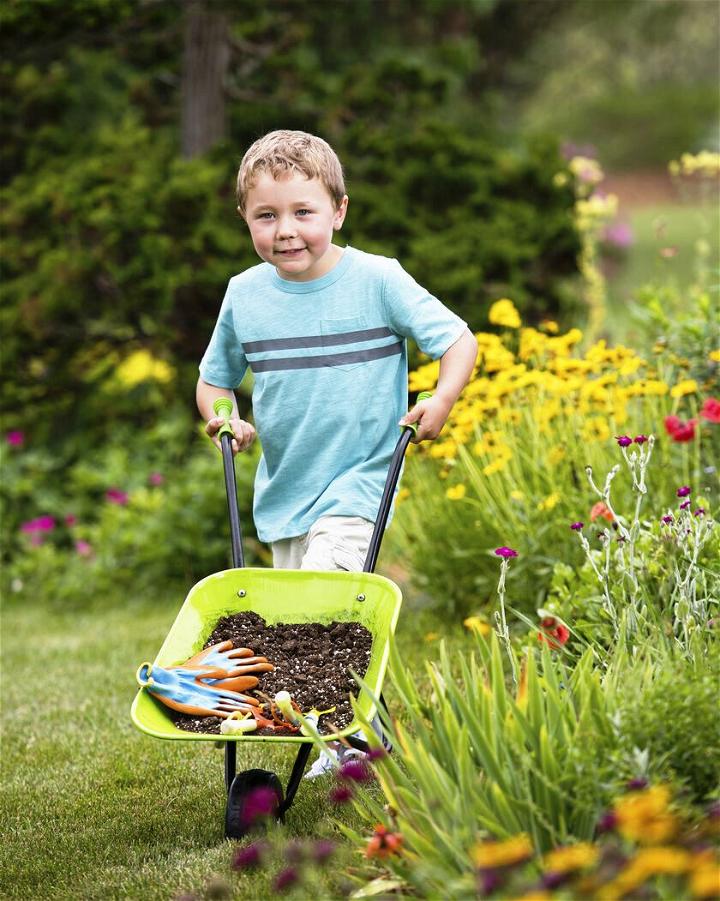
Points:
(94, 809)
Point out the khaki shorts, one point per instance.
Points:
(333, 542)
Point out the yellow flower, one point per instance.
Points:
(595, 428)
(556, 454)
(503, 312)
(402, 494)
(141, 366)
(572, 857)
(516, 495)
(478, 625)
(714, 355)
(705, 875)
(487, 855)
(560, 179)
(503, 456)
(644, 817)
(550, 501)
(431, 636)
(662, 859)
(424, 377)
(688, 386)
(456, 492)
(550, 326)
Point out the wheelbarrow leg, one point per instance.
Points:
(230, 763)
(296, 775)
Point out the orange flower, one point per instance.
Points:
(601, 509)
(383, 843)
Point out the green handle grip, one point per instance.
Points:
(223, 407)
(413, 426)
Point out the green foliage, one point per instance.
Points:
(669, 713)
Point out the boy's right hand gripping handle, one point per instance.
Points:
(413, 426)
(223, 407)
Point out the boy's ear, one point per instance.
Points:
(340, 213)
(242, 215)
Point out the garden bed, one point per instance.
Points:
(313, 662)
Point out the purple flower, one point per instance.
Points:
(116, 496)
(505, 552)
(607, 822)
(684, 505)
(156, 478)
(488, 881)
(637, 784)
(577, 526)
(83, 549)
(619, 234)
(341, 794)
(248, 857)
(260, 802)
(40, 524)
(713, 810)
(294, 852)
(623, 440)
(667, 519)
(641, 439)
(700, 511)
(551, 880)
(286, 878)
(376, 753)
(16, 438)
(323, 850)
(355, 771)
(684, 491)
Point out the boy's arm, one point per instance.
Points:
(456, 366)
(205, 396)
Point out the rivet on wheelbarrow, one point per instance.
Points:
(242, 593)
(361, 597)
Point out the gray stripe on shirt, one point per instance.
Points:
(353, 356)
(367, 334)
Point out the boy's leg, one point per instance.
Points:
(289, 552)
(338, 543)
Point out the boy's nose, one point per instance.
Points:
(286, 228)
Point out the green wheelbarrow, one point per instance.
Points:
(280, 596)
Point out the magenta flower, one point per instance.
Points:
(249, 857)
(700, 511)
(684, 491)
(70, 520)
(16, 438)
(83, 548)
(355, 771)
(667, 519)
(156, 478)
(623, 440)
(607, 822)
(684, 505)
(577, 526)
(286, 878)
(636, 784)
(376, 753)
(641, 439)
(341, 794)
(323, 850)
(261, 802)
(116, 496)
(40, 524)
(505, 552)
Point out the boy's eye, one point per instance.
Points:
(264, 215)
(303, 212)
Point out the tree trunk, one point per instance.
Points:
(205, 63)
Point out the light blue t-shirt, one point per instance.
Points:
(329, 359)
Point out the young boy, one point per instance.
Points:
(323, 330)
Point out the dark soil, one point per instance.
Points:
(312, 661)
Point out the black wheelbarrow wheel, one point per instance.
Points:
(254, 797)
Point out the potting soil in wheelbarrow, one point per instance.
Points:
(313, 662)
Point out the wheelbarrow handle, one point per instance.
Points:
(223, 407)
(408, 433)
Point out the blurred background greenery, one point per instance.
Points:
(124, 122)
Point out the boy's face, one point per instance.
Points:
(291, 222)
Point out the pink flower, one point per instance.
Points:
(341, 794)
(83, 548)
(619, 234)
(641, 439)
(678, 430)
(16, 438)
(156, 478)
(577, 526)
(116, 496)
(40, 524)
(711, 410)
(70, 520)
(624, 440)
(505, 552)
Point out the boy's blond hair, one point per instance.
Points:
(284, 152)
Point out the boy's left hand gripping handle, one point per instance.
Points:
(223, 407)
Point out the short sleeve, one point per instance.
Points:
(224, 363)
(415, 313)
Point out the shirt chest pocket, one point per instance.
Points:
(342, 342)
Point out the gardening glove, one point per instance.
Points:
(184, 690)
(224, 656)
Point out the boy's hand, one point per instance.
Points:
(430, 415)
(243, 431)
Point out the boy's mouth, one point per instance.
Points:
(292, 251)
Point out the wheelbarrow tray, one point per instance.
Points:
(277, 595)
